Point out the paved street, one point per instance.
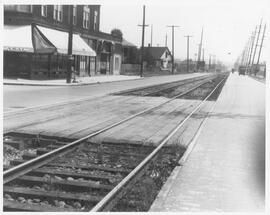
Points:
(18, 97)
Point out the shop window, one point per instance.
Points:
(86, 17)
(82, 63)
(44, 10)
(58, 12)
(24, 8)
(20, 8)
(10, 7)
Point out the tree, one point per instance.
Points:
(117, 33)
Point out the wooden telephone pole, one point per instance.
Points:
(173, 26)
(258, 36)
(188, 36)
(70, 38)
(259, 55)
(142, 47)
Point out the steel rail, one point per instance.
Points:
(27, 166)
(175, 82)
(38, 107)
(91, 98)
(199, 78)
(104, 204)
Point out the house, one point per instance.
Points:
(158, 57)
(41, 53)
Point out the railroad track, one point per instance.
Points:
(31, 146)
(52, 115)
(84, 176)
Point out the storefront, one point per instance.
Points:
(42, 53)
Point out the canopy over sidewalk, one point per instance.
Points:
(60, 40)
(37, 39)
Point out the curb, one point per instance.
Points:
(72, 84)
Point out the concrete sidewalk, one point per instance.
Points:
(225, 171)
(79, 81)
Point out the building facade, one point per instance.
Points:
(46, 27)
(159, 57)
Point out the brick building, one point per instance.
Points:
(36, 42)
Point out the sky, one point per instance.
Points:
(227, 24)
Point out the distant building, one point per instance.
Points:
(36, 42)
(158, 57)
(130, 52)
(181, 65)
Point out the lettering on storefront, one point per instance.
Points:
(18, 49)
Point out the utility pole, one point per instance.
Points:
(203, 60)
(258, 60)
(166, 38)
(200, 46)
(258, 36)
(70, 38)
(209, 65)
(188, 36)
(242, 57)
(214, 62)
(200, 51)
(172, 26)
(203, 55)
(195, 57)
(151, 35)
(143, 27)
(247, 54)
(252, 46)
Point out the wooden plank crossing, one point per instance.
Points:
(151, 128)
(78, 119)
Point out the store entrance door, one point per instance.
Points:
(117, 64)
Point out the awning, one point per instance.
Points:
(60, 40)
(19, 39)
(41, 43)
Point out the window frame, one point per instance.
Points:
(44, 10)
(86, 17)
(74, 18)
(95, 19)
(58, 12)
